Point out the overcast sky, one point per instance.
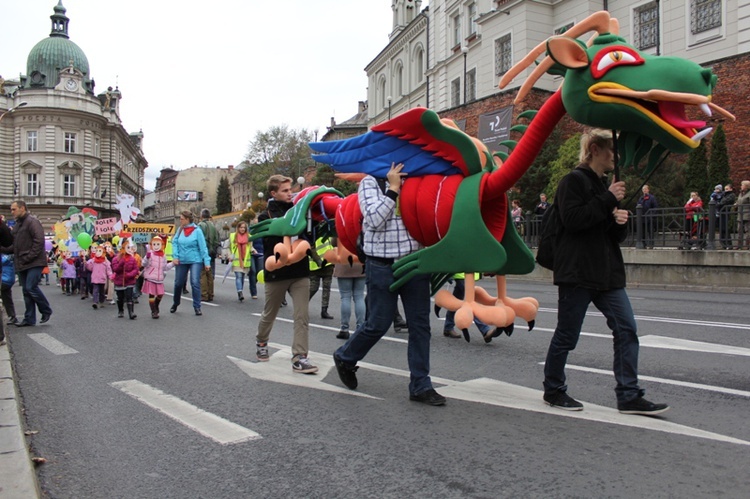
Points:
(201, 78)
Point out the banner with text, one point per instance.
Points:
(141, 228)
(495, 127)
(104, 226)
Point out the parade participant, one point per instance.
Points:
(8, 276)
(240, 249)
(155, 267)
(125, 269)
(189, 254)
(84, 276)
(320, 270)
(30, 259)
(589, 268)
(385, 240)
(68, 272)
(292, 278)
(100, 270)
(213, 245)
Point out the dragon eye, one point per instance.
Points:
(612, 57)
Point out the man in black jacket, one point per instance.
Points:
(293, 278)
(589, 268)
(30, 259)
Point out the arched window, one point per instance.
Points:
(383, 94)
(399, 79)
(418, 65)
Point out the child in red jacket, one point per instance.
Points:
(125, 270)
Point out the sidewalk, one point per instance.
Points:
(17, 476)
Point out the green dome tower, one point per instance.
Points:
(53, 54)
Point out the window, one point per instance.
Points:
(646, 25)
(471, 85)
(96, 146)
(419, 73)
(503, 57)
(563, 29)
(69, 185)
(383, 95)
(32, 184)
(69, 142)
(400, 80)
(457, 29)
(31, 141)
(704, 15)
(455, 92)
(472, 11)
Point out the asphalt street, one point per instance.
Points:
(179, 407)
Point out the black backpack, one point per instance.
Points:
(551, 228)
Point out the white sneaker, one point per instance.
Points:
(303, 366)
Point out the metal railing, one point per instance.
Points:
(714, 229)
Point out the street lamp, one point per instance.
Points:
(20, 104)
(260, 195)
(300, 180)
(464, 51)
(389, 107)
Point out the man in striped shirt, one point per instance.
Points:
(385, 240)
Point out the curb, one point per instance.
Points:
(17, 476)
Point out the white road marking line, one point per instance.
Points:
(493, 392)
(279, 370)
(667, 343)
(51, 344)
(481, 390)
(665, 381)
(189, 299)
(320, 326)
(209, 425)
(670, 320)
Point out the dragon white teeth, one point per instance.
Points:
(706, 110)
(699, 136)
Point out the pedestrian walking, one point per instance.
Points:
(189, 255)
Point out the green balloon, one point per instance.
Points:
(84, 240)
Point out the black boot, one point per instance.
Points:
(154, 309)
(131, 312)
(240, 296)
(343, 334)
(120, 310)
(324, 313)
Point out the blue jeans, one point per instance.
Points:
(459, 291)
(415, 295)
(180, 277)
(352, 288)
(572, 304)
(33, 297)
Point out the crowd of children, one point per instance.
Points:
(113, 274)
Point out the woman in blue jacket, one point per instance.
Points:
(189, 254)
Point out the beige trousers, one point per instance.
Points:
(299, 289)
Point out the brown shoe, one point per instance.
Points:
(451, 333)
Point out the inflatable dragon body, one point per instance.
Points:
(454, 199)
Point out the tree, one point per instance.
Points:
(567, 159)
(718, 163)
(536, 179)
(223, 197)
(325, 175)
(280, 150)
(696, 172)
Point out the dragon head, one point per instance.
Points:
(610, 84)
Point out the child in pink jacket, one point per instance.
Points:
(100, 269)
(155, 266)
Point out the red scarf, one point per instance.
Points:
(99, 259)
(158, 253)
(188, 229)
(241, 241)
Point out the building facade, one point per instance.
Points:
(192, 189)
(450, 56)
(61, 144)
